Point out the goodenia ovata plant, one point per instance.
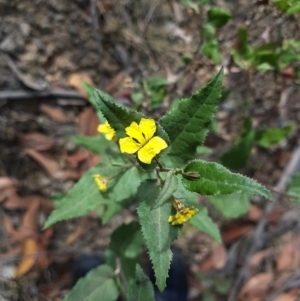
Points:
(152, 164)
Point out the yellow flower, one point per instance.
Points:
(183, 214)
(141, 140)
(101, 182)
(107, 130)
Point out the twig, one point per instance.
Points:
(149, 16)
(26, 94)
(22, 78)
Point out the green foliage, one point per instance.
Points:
(97, 144)
(270, 136)
(271, 56)
(216, 180)
(152, 91)
(157, 231)
(294, 188)
(98, 282)
(211, 49)
(162, 197)
(127, 240)
(289, 7)
(170, 186)
(237, 156)
(187, 124)
(218, 17)
(85, 195)
(204, 223)
(141, 289)
(232, 205)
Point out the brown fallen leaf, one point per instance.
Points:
(258, 257)
(88, 122)
(30, 249)
(218, 256)
(77, 158)
(254, 213)
(9, 199)
(50, 164)
(287, 297)
(55, 113)
(289, 256)
(256, 285)
(37, 141)
(75, 80)
(115, 83)
(7, 182)
(29, 224)
(235, 229)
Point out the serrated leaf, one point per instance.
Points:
(218, 16)
(97, 285)
(202, 221)
(127, 240)
(157, 231)
(215, 179)
(168, 189)
(85, 196)
(89, 90)
(187, 124)
(232, 205)
(269, 136)
(97, 144)
(141, 289)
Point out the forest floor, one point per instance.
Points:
(47, 48)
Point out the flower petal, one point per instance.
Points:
(129, 146)
(134, 131)
(148, 128)
(151, 149)
(106, 129)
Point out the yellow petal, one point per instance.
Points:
(151, 149)
(129, 146)
(106, 129)
(148, 128)
(134, 131)
(101, 182)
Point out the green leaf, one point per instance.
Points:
(127, 240)
(190, 4)
(208, 30)
(85, 196)
(211, 49)
(168, 189)
(97, 144)
(294, 188)
(218, 16)
(141, 289)
(269, 136)
(232, 205)
(204, 223)
(97, 285)
(111, 209)
(89, 90)
(157, 231)
(294, 9)
(215, 179)
(187, 124)
(237, 156)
